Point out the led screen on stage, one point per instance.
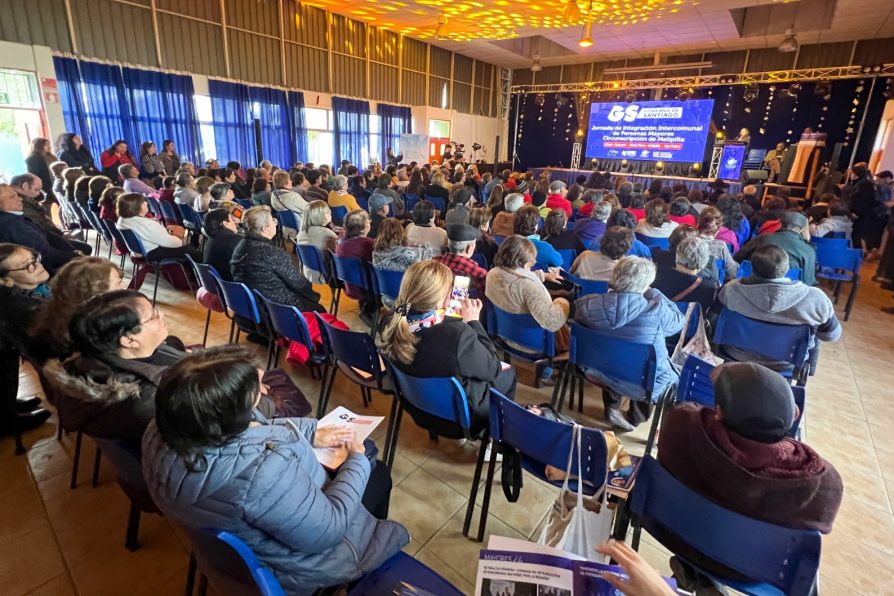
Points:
(650, 130)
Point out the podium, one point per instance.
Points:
(727, 159)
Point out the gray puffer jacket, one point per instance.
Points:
(266, 487)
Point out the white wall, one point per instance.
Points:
(37, 59)
(883, 148)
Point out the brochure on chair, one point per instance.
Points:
(363, 426)
(522, 568)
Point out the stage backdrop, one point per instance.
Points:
(547, 124)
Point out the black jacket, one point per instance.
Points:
(37, 165)
(55, 250)
(263, 267)
(219, 248)
(81, 158)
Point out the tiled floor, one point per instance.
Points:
(55, 541)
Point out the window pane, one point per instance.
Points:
(206, 129)
(203, 108)
(440, 129)
(375, 123)
(320, 147)
(373, 151)
(316, 118)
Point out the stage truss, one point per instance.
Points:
(696, 81)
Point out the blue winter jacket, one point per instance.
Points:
(266, 487)
(642, 318)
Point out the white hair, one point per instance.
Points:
(693, 253)
(513, 202)
(632, 275)
(340, 182)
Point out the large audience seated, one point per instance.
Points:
(226, 444)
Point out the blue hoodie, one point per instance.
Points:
(640, 318)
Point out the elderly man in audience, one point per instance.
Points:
(633, 311)
(789, 238)
(768, 295)
(461, 241)
(29, 187)
(130, 174)
(738, 455)
(503, 223)
(15, 228)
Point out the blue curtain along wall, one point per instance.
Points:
(271, 107)
(297, 124)
(232, 120)
(351, 130)
(543, 139)
(396, 120)
(106, 109)
(68, 77)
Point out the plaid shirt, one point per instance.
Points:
(461, 265)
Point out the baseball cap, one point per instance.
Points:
(378, 200)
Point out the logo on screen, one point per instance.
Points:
(628, 114)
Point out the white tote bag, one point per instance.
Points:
(577, 523)
(698, 345)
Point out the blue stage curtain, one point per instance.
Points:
(296, 125)
(396, 120)
(232, 121)
(162, 107)
(106, 109)
(272, 108)
(351, 130)
(68, 77)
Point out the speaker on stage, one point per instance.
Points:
(751, 176)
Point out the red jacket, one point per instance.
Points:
(687, 219)
(557, 201)
(637, 213)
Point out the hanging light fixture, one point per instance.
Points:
(441, 30)
(586, 41)
(571, 14)
(536, 66)
(789, 43)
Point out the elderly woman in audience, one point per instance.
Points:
(160, 242)
(495, 200)
(682, 283)
(710, 228)
(438, 187)
(76, 282)
(391, 252)
(837, 220)
(656, 223)
(203, 199)
(108, 202)
(261, 192)
(592, 226)
(632, 310)
(479, 218)
(423, 230)
(357, 243)
(339, 196)
(733, 220)
(132, 183)
(667, 258)
(150, 161)
(738, 455)
(637, 206)
(421, 340)
(316, 230)
(555, 233)
(503, 223)
(210, 458)
(96, 187)
(23, 291)
(221, 194)
(114, 157)
(221, 238)
(264, 267)
(623, 218)
(512, 286)
(680, 212)
(185, 191)
(598, 265)
(527, 220)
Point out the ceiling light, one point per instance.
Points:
(571, 14)
(441, 30)
(536, 66)
(586, 41)
(790, 43)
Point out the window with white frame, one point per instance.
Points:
(206, 126)
(320, 137)
(374, 152)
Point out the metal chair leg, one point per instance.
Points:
(476, 480)
(395, 434)
(485, 504)
(96, 462)
(157, 270)
(203, 586)
(207, 326)
(851, 297)
(131, 539)
(77, 460)
(326, 391)
(190, 575)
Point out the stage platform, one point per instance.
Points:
(568, 177)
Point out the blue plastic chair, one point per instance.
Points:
(403, 570)
(778, 560)
(568, 255)
(339, 213)
(586, 287)
(537, 344)
(696, 386)
(479, 258)
(209, 279)
(651, 241)
(438, 204)
(191, 219)
(617, 359)
(744, 270)
(693, 320)
(721, 270)
(840, 265)
(229, 564)
(244, 203)
(288, 322)
(540, 442)
(117, 241)
(312, 258)
(835, 241)
(138, 256)
(169, 214)
(387, 285)
(352, 270)
(240, 302)
(440, 397)
(288, 219)
(784, 343)
(410, 201)
(355, 355)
